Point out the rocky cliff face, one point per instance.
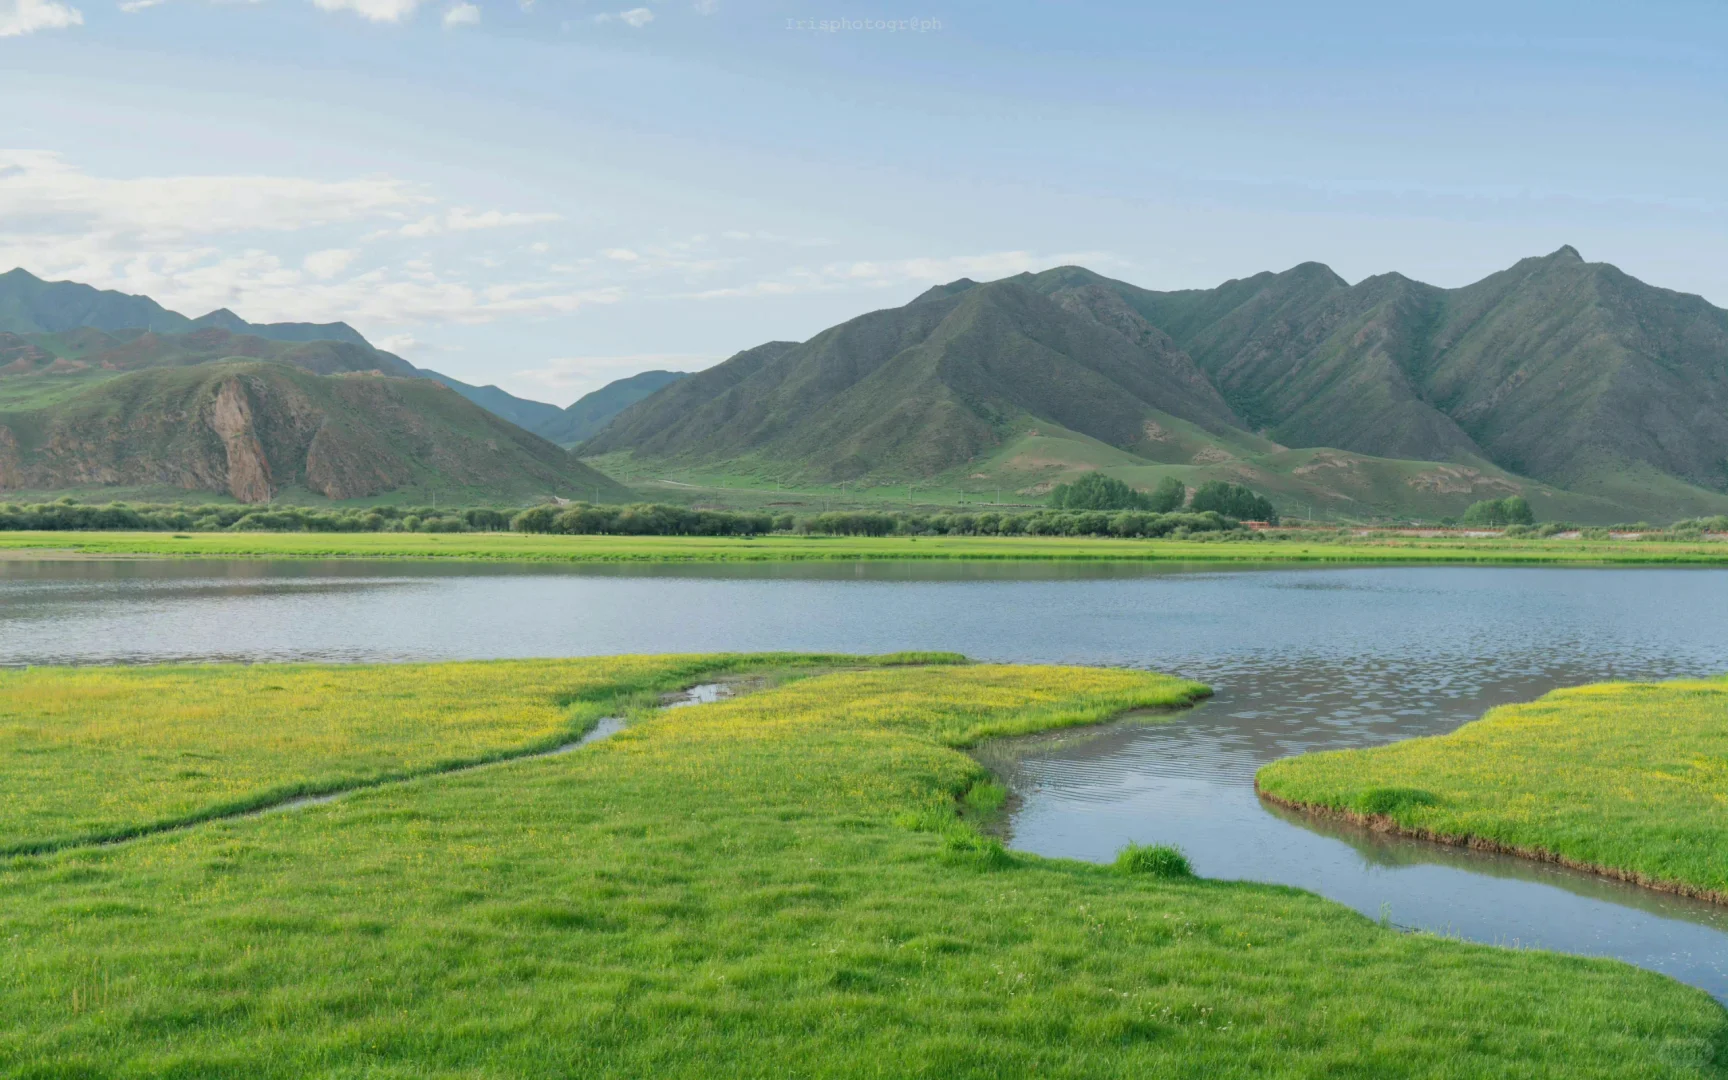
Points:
(230, 416)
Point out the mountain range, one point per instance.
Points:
(1598, 396)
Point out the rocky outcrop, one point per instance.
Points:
(248, 469)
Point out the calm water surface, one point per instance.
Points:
(1302, 659)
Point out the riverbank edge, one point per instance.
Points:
(75, 547)
(1383, 823)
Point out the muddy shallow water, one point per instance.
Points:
(1301, 659)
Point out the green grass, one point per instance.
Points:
(99, 753)
(577, 549)
(780, 885)
(1628, 778)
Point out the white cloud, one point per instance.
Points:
(396, 343)
(462, 15)
(372, 10)
(41, 184)
(706, 7)
(621, 255)
(195, 243)
(463, 220)
(835, 277)
(635, 17)
(569, 377)
(132, 7)
(20, 17)
(329, 262)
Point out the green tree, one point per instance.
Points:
(1233, 500)
(1095, 491)
(1512, 510)
(1169, 495)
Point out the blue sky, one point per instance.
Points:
(547, 194)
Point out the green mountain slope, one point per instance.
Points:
(1571, 372)
(921, 389)
(593, 411)
(260, 430)
(1570, 382)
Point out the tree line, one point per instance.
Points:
(573, 519)
(1095, 491)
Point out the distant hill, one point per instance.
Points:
(29, 305)
(532, 415)
(593, 411)
(261, 430)
(1570, 381)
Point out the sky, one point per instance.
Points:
(549, 194)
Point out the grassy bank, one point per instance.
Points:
(511, 547)
(783, 884)
(1624, 778)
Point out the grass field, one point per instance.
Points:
(512, 547)
(1629, 778)
(786, 884)
(105, 752)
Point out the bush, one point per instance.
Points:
(1158, 860)
(1512, 510)
(1233, 500)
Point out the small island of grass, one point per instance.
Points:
(1625, 779)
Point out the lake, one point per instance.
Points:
(1301, 659)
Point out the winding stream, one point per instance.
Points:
(1301, 659)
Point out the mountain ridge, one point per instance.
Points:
(1555, 370)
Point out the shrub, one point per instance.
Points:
(1158, 860)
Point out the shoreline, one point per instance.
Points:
(483, 547)
(1383, 823)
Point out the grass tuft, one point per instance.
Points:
(1156, 860)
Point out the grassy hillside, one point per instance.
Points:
(917, 391)
(257, 430)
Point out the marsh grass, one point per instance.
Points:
(781, 884)
(104, 753)
(1158, 860)
(1628, 778)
